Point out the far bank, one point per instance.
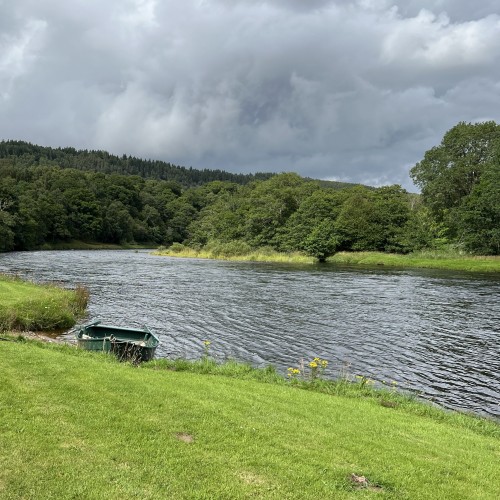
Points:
(424, 259)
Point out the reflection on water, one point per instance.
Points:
(431, 331)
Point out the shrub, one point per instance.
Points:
(177, 247)
(230, 249)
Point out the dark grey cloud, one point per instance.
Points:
(331, 89)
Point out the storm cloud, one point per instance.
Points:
(344, 90)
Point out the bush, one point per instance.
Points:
(177, 247)
(230, 249)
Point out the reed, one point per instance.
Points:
(255, 255)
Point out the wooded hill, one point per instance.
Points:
(27, 154)
(55, 195)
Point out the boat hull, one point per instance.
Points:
(130, 344)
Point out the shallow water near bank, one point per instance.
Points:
(434, 332)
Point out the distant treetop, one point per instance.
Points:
(102, 161)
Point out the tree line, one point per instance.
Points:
(26, 154)
(49, 199)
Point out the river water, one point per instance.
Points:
(434, 332)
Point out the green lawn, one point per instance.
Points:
(76, 425)
(29, 306)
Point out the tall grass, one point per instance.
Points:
(30, 306)
(234, 251)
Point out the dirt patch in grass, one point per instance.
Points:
(251, 478)
(361, 482)
(184, 437)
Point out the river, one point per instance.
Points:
(434, 332)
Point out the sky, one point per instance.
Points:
(353, 90)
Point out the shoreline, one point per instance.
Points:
(84, 245)
(418, 260)
(35, 336)
(366, 388)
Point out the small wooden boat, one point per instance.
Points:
(132, 344)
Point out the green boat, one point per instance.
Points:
(131, 344)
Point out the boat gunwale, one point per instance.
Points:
(82, 329)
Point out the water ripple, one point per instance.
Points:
(431, 331)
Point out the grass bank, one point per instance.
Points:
(257, 255)
(76, 425)
(426, 259)
(29, 306)
(429, 259)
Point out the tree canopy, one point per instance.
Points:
(26, 154)
(459, 180)
(56, 195)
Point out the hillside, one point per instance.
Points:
(28, 154)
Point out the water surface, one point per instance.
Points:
(432, 331)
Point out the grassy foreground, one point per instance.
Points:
(80, 425)
(29, 306)
(425, 259)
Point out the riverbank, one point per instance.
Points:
(92, 427)
(258, 255)
(424, 259)
(89, 245)
(29, 306)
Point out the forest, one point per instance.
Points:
(56, 195)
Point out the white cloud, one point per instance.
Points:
(140, 13)
(433, 41)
